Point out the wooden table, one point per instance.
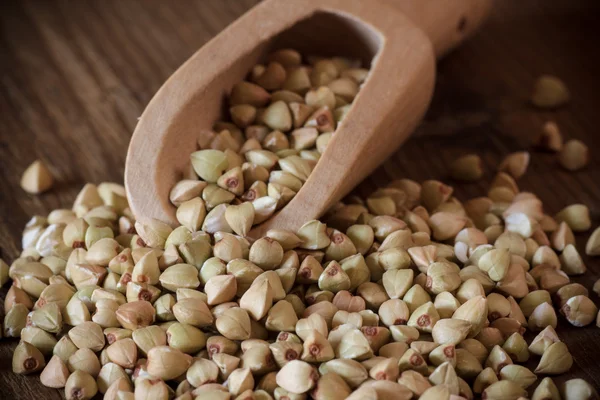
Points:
(76, 75)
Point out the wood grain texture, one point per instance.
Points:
(75, 76)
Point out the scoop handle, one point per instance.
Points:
(447, 23)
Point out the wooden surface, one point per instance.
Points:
(76, 75)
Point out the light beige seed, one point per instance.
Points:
(84, 360)
(37, 178)
(232, 180)
(234, 324)
(154, 233)
(518, 374)
(550, 138)
(333, 278)
(88, 335)
(316, 348)
(568, 291)
(48, 318)
(88, 198)
(257, 300)
(167, 363)
(147, 388)
(549, 92)
(562, 237)
(264, 207)
(516, 347)
(322, 119)
(15, 320)
(240, 381)
(442, 354)
(571, 261)
(191, 213)
(272, 77)
(119, 387)
(475, 312)
(305, 326)
(64, 348)
(146, 270)
(149, 337)
(467, 168)
(578, 389)
(574, 155)
(266, 253)
(27, 359)
(209, 164)
(220, 289)
(543, 340)
(445, 304)
(42, 340)
(450, 331)
(281, 317)
(103, 251)
(202, 371)
(192, 310)
(240, 218)
(415, 382)
(534, 299)
(546, 390)
(445, 225)
(345, 88)
(297, 80)
(515, 164)
(424, 318)
(514, 283)
(123, 353)
(228, 248)
(185, 190)
(504, 389)
(275, 282)
(556, 359)
(579, 310)
(55, 373)
(577, 216)
(592, 247)
(136, 314)
(323, 96)
(285, 351)
(80, 386)
(297, 377)
(179, 276)
(397, 282)
(354, 345)
(287, 239)
(286, 57)
(313, 235)
(414, 298)
(331, 386)
(436, 392)
(541, 317)
(445, 375)
(114, 334)
(353, 372)
(214, 196)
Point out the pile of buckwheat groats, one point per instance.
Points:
(408, 293)
(281, 121)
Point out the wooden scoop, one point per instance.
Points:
(384, 113)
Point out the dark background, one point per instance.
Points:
(76, 75)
